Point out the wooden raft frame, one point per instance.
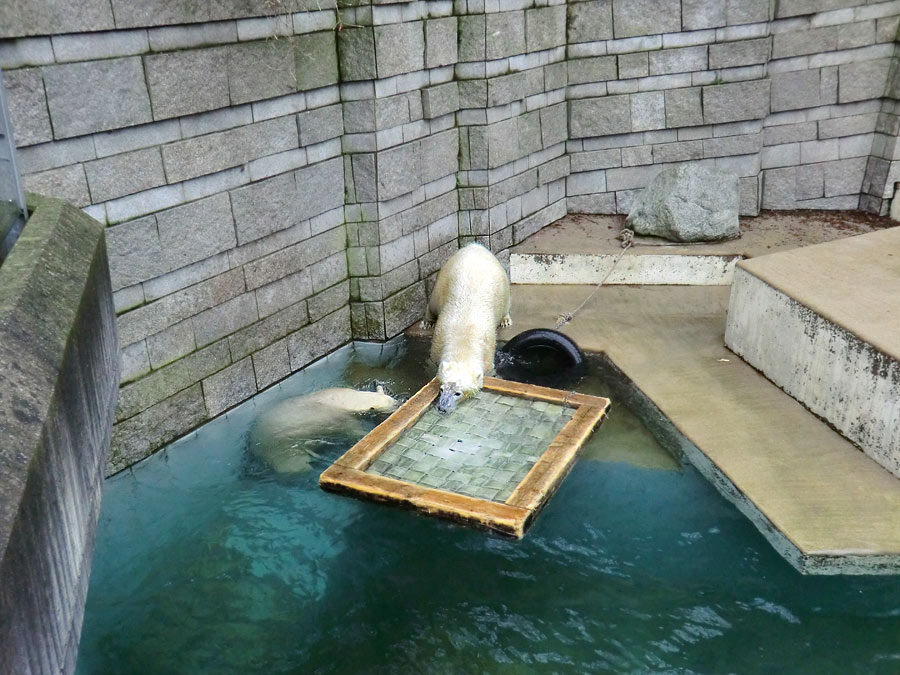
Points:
(348, 473)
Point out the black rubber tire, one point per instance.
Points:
(532, 345)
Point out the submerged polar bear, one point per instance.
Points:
(284, 435)
(470, 301)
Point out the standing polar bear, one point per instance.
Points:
(470, 301)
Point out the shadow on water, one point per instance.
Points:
(207, 563)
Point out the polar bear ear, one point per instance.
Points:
(379, 389)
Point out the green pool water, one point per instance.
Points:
(206, 562)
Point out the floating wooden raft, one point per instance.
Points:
(493, 462)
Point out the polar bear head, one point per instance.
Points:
(459, 381)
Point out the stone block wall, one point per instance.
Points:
(279, 176)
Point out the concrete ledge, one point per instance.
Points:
(823, 504)
(58, 383)
(646, 269)
(821, 323)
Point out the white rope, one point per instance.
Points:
(627, 237)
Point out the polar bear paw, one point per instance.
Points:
(427, 325)
(505, 322)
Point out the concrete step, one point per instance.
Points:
(823, 504)
(823, 323)
(581, 249)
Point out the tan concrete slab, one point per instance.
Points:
(771, 231)
(823, 503)
(853, 282)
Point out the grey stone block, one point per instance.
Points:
(554, 126)
(125, 174)
(170, 344)
(528, 129)
(317, 60)
(135, 438)
(175, 377)
(778, 188)
(628, 178)
(67, 182)
(331, 299)
(736, 101)
(27, 106)
(133, 362)
(391, 111)
(505, 33)
(809, 182)
(593, 69)
(440, 42)
(506, 88)
(271, 364)
(320, 188)
(596, 159)
(801, 42)
(185, 276)
(207, 154)
(854, 35)
(364, 177)
(602, 203)
(844, 177)
(264, 207)
(101, 45)
(225, 319)
(545, 28)
(862, 80)
(790, 133)
(439, 100)
(471, 30)
(262, 333)
(156, 316)
(634, 65)
(845, 126)
(398, 170)
(158, 13)
(677, 152)
(191, 36)
(52, 17)
(21, 52)
(747, 11)
(648, 111)
(285, 292)
(329, 271)
(195, 231)
(439, 155)
(590, 21)
(683, 107)
(700, 14)
(599, 116)
(749, 187)
(321, 124)
(502, 142)
(727, 146)
(134, 252)
(683, 60)
(356, 54)
(399, 48)
(395, 253)
(261, 69)
(187, 82)
(796, 89)
(736, 54)
(79, 100)
(315, 340)
(229, 387)
(646, 17)
(359, 116)
(403, 309)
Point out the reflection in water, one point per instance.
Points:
(208, 563)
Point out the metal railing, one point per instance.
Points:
(13, 211)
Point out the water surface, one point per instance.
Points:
(206, 562)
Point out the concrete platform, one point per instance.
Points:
(823, 323)
(581, 249)
(826, 506)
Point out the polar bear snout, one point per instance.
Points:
(448, 399)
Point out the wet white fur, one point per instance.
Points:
(470, 301)
(283, 434)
